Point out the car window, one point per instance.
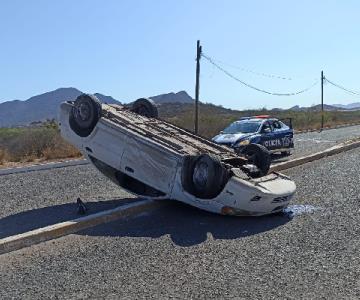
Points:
(242, 127)
(283, 125)
(266, 126)
(277, 125)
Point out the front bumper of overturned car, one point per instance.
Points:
(244, 197)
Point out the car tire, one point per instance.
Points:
(259, 156)
(85, 114)
(145, 107)
(286, 153)
(204, 176)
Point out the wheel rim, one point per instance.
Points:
(200, 175)
(84, 112)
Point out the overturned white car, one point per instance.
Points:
(153, 158)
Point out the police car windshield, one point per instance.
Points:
(242, 127)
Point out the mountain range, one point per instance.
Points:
(327, 107)
(45, 106)
(355, 105)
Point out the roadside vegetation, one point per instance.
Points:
(28, 144)
(43, 140)
(213, 119)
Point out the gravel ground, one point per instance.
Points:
(182, 252)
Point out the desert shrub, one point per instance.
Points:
(3, 156)
(60, 149)
(28, 144)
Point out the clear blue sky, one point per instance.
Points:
(130, 49)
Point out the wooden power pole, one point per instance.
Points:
(322, 100)
(197, 86)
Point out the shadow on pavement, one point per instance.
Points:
(277, 157)
(186, 225)
(37, 218)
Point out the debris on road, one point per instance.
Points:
(81, 207)
(299, 209)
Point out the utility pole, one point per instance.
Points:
(322, 100)
(197, 86)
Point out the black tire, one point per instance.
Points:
(286, 153)
(259, 156)
(204, 176)
(85, 114)
(145, 107)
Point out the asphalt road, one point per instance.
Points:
(37, 199)
(311, 142)
(49, 196)
(181, 252)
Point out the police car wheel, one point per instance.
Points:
(259, 156)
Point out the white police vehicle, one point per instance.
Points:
(269, 132)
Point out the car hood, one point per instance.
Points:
(226, 138)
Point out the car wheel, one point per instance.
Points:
(85, 114)
(259, 156)
(204, 176)
(145, 107)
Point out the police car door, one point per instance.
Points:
(268, 136)
(284, 133)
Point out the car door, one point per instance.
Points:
(149, 163)
(285, 134)
(268, 136)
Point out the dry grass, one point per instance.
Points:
(30, 144)
(60, 149)
(3, 156)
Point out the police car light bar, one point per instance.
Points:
(262, 116)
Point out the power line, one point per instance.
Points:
(253, 87)
(251, 71)
(342, 88)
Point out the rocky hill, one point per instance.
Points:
(40, 107)
(45, 106)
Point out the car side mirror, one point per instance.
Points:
(266, 130)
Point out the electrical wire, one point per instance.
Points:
(342, 88)
(251, 71)
(253, 87)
